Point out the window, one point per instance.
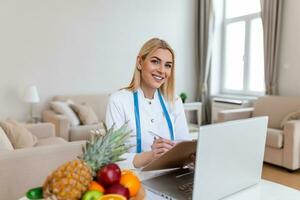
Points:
(243, 69)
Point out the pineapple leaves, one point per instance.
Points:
(106, 148)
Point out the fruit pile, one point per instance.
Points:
(78, 178)
(112, 183)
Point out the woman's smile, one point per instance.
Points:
(158, 78)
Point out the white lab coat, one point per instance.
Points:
(121, 109)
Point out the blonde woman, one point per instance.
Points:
(156, 117)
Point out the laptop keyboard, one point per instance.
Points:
(187, 188)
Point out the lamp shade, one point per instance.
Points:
(31, 95)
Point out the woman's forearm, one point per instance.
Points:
(142, 159)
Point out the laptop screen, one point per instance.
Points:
(229, 157)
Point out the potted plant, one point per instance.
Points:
(183, 96)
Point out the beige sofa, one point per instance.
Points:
(63, 126)
(283, 137)
(23, 169)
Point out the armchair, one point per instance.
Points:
(283, 138)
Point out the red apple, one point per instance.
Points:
(118, 189)
(108, 175)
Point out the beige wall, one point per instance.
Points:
(289, 59)
(77, 47)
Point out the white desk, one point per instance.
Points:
(265, 190)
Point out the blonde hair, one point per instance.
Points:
(167, 89)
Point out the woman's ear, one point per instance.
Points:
(139, 63)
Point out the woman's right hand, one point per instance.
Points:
(160, 146)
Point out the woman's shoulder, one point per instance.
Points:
(176, 101)
(120, 95)
(176, 105)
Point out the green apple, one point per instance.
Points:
(92, 195)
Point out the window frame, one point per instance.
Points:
(246, 80)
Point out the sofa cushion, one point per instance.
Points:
(18, 135)
(4, 141)
(65, 109)
(83, 132)
(50, 141)
(274, 138)
(85, 113)
(97, 101)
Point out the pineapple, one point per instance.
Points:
(72, 179)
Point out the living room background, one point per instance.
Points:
(87, 47)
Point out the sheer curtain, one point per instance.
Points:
(271, 14)
(206, 21)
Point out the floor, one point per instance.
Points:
(281, 175)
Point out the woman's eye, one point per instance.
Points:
(168, 65)
(154, 61)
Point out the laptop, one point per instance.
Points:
(229, 159)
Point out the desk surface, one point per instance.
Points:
(265, 190)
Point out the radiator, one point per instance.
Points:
(219, 104)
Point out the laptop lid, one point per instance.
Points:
(229, 157)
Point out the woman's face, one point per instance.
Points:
(156, 69)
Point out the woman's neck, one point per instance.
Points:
(148, 92)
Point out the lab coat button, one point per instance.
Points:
(152, 120)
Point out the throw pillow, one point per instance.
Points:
(85, 113)
(18, 135)
(291, 116)
(4, 141)
(64, 108)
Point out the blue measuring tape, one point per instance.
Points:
(138, 121)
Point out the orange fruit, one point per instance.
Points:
(130, 181)
(96, 186)
(112, 197)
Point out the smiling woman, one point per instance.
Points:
(149, 104)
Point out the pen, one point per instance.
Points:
(155, 135)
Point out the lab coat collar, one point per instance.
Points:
(141, 93)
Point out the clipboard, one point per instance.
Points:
(174, 158)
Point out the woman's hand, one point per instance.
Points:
(160, 146)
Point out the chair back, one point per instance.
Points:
(276, 108)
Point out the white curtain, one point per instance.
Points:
(271, 14)
(206, 21)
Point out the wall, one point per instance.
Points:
(289, 69)
(85, 47)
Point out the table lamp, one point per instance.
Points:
(31, 96)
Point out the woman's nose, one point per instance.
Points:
(161, 68)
